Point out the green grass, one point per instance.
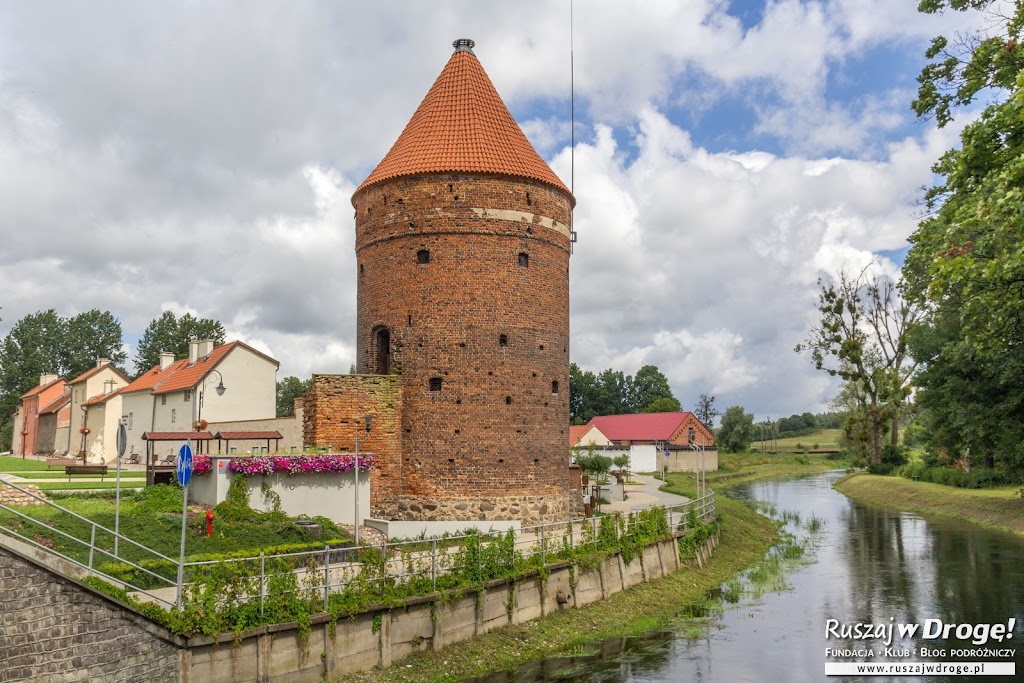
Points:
(10, 463)
(746, 537)
(75, 485)
(742, 468)
(59, 474)
(825, 438)
(997, 508)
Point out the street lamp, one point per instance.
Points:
(367, 419)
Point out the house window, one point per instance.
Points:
(422, 256)
(435, 384)
(163, 400)
(131, 420)
(188, 395)
(174, 415)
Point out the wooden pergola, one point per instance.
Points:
(160, 474)
(228, 437)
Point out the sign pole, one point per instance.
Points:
(122, 444)
(184, 470)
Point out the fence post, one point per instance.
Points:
(594, 520)
(543, 546)
(92, 544)
(433, 563)
(384, 566)
(327, 574)
(572, 542)
(262, 573)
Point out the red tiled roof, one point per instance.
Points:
(103, 398)
(640, 427)
(187, 376)
(39, 389)
(249, 435)
(55, 405)
(89, 373)
(176, 436)
(462, 125)
(576, 433)
(154, 376)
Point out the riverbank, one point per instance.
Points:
(742, 468)
(998, 508)
(745, 537)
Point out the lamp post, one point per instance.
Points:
(200, 391)
(367, 419)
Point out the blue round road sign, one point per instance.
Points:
(184, 465)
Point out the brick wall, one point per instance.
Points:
(331, 414)
(52, 629)
(487, 318)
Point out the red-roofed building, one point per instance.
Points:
(659, 429)
(26, 423)
(98, 381)
(585, 435)
(167, 397)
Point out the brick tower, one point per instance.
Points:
(462, 244)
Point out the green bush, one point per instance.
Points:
(160, 498)
(978, 478)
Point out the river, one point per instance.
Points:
(861, 565)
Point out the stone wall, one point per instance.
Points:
(12, 496)
(333, 406)
(53, 629)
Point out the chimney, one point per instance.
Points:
(205, 348)
(45, 379)
(166, 359)
(100, 362)
(193, 352)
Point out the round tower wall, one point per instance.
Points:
(463, 290)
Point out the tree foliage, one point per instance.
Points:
(966, 262)
(289, 389)
(44, 343)
(737, 430)
(171, 334)
(705, 410)
(861, 338)
(612, 392)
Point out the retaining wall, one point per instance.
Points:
(53, 626)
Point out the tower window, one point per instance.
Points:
(423, 256)
(554, 386)
(435, 384)
(508, 400)
(524, 260)
(503, 340)
(382, 341)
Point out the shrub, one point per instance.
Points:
(160, 498)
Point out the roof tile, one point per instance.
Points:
(463, 126)
(640, 427)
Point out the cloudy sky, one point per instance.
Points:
(201, 157)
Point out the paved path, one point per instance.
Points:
(643, 497)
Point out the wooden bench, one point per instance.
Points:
(85, 469)
(62, 462)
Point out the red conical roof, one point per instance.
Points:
(463, 126)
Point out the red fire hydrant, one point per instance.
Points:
(209, 523)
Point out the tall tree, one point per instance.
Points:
(650, 385)
(705, 410)
(861, 338)
(88, 336)
(171, 334)
(31, 348)
(965, 260)
(289, 389)
(737, 430)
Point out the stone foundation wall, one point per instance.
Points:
(11, 496)
(55, 630)
(529, 509)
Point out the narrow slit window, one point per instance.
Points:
(508, 400)
(524, 260)
(423, 256)
(503, 340)
(554, 386)
(435, 384)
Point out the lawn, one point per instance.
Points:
(58, 473)
(78, 485)
(9, 463)
(999, 508)
(152, 517)
(824, 438)
(741, 468)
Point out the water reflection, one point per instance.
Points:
(869, 565)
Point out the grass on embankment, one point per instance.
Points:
(10, 463)
(998, 508)
(743, 468)
(746, 536)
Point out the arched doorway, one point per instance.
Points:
(382, 351)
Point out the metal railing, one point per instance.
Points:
(429, 563)
(91, 549)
